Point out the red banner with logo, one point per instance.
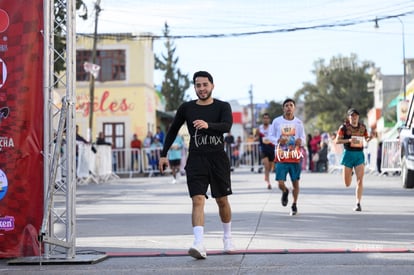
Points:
(21, 126)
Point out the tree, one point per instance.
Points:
(274, 109)
(175, 83)
(339, 85)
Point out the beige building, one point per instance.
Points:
(125, 101)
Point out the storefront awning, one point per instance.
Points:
(167, 115)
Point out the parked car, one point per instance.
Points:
(407, 149)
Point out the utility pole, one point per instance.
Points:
(91, 76)
(403, 51)
(252, 108)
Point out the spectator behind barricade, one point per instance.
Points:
(100, 140)
(248, 157)
(160, 134)
(309, 147)
(304, 160)
(155, 148)
(324, 138)
(236, 152)
(159, 137)
(228, 143)
(322, 163)
(135, 152)
(147, 144)
(148, 140)
(174, 157)
(315, 146)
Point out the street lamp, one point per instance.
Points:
(403, 49)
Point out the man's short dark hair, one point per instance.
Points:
(288, 100)
(203, 74)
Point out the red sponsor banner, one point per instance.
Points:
(1, 72)
(21, 126)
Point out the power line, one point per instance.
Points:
(241, 34)
(321, 26)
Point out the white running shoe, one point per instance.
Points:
(228, 245)
(174, 181)
(198, 251)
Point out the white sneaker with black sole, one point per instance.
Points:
(198, 251)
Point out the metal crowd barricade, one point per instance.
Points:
(127, 161)
(94, 165)
(390, 156)
(85, 163)
(371, 152)
(103, 163)
(150, 159)
(130, 162)
(134, 162)
(249, 156)
(334, 163)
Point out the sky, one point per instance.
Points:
(266, 47)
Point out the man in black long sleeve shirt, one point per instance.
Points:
(207, 164)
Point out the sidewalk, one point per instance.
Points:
(144, 227)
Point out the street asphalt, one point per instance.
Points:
(143, 226)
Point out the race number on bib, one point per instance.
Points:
(357, 142)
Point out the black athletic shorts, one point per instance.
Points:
(270, 154)
(208, 169)
(174, 162)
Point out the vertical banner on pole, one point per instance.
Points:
(21, 126)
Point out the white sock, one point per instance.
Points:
(198, 234)
(227, 230)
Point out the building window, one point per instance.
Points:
(112, 64)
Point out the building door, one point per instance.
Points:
(116, 132)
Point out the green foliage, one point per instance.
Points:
(274, 109)
(175, 83)
(339, 85)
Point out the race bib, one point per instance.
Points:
(357, 142)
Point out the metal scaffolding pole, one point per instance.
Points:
(59, 140)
